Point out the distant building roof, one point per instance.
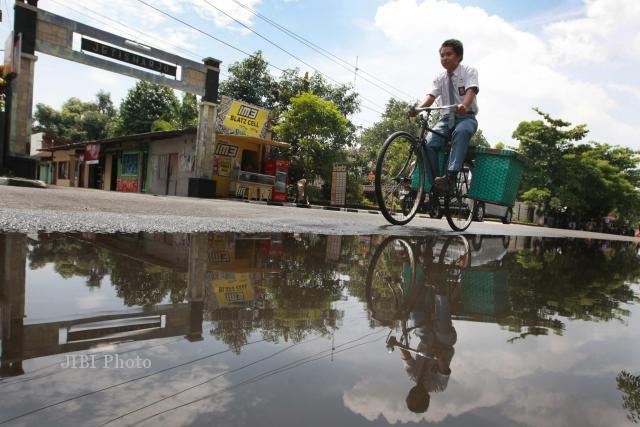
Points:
(155, 136)
(126, 138)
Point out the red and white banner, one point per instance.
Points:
(91, 154)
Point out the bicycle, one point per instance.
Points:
(407, 276)
(400, 177)
(402, 268)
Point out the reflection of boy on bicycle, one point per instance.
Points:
(458, 85)
(431, 317)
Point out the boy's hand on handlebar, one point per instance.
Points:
(461, 109)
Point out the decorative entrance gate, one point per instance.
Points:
(38, 30)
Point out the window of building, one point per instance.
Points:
(249, 161)
(130, 164)
(63, 170)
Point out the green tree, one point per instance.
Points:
(543, 143)
(590, 180)
(371, 139)
(291, 84)
(319, 135)
(478, 140)
(144, 104)
(77, 120)
(187, 114)
(393, 119)
(250, 81)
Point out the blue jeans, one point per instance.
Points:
(463, 129)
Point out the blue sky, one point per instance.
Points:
(575, 59)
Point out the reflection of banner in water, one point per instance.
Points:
(234, 288)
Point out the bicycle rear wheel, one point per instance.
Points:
(399, 181)
(459, 208)
(390, 283)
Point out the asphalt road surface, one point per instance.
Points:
(62, 209)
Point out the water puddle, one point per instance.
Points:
(289, 330)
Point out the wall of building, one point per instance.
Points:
(106, 181)
(130, 171)
(524, 212)
(160, 158)
(65, 156)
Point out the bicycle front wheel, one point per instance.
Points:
(459, 208)
(391, 279)
(399, 181)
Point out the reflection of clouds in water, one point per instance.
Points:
(584, 350)
(176, 382)
(518, 400)
(91, 301)
(549, 408)
(110, 403)
(536, 381)
(385, 396)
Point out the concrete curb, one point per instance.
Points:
(305, 206)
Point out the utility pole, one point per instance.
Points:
(355, 73)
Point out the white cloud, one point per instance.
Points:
(518, 70)
(206, 10)
(603, 34)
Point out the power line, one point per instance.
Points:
(131, 31)
(283, 49)
(193, 55)
(209, 380)
(205, 33)
(327, 54)
(232, 46)
(267, 374)
(89, 393)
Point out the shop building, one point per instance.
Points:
(162, 163)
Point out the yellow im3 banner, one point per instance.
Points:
(246, 118)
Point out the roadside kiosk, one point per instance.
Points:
(243, 158)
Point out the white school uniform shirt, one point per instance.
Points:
(464, 77)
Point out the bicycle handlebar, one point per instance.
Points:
(444, 107)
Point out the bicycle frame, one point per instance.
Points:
(422, 142)
(401, 186)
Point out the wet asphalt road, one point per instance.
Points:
(63, 209)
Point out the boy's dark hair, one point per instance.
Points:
(456, 45)
(418, 399)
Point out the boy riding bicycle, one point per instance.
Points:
(458, 86)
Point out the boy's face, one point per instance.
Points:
(448, 58)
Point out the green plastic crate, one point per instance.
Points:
(484, 292)
(427, 182)
(496, 176)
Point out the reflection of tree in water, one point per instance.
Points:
(70, 257)
(569, 279)
(299, 297)
(138, 283)
(629, 385)
(296, 300)
(533, 289)
(233, 326)
(143, 284)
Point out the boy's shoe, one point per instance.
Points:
(441, 183)
(446, 184)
